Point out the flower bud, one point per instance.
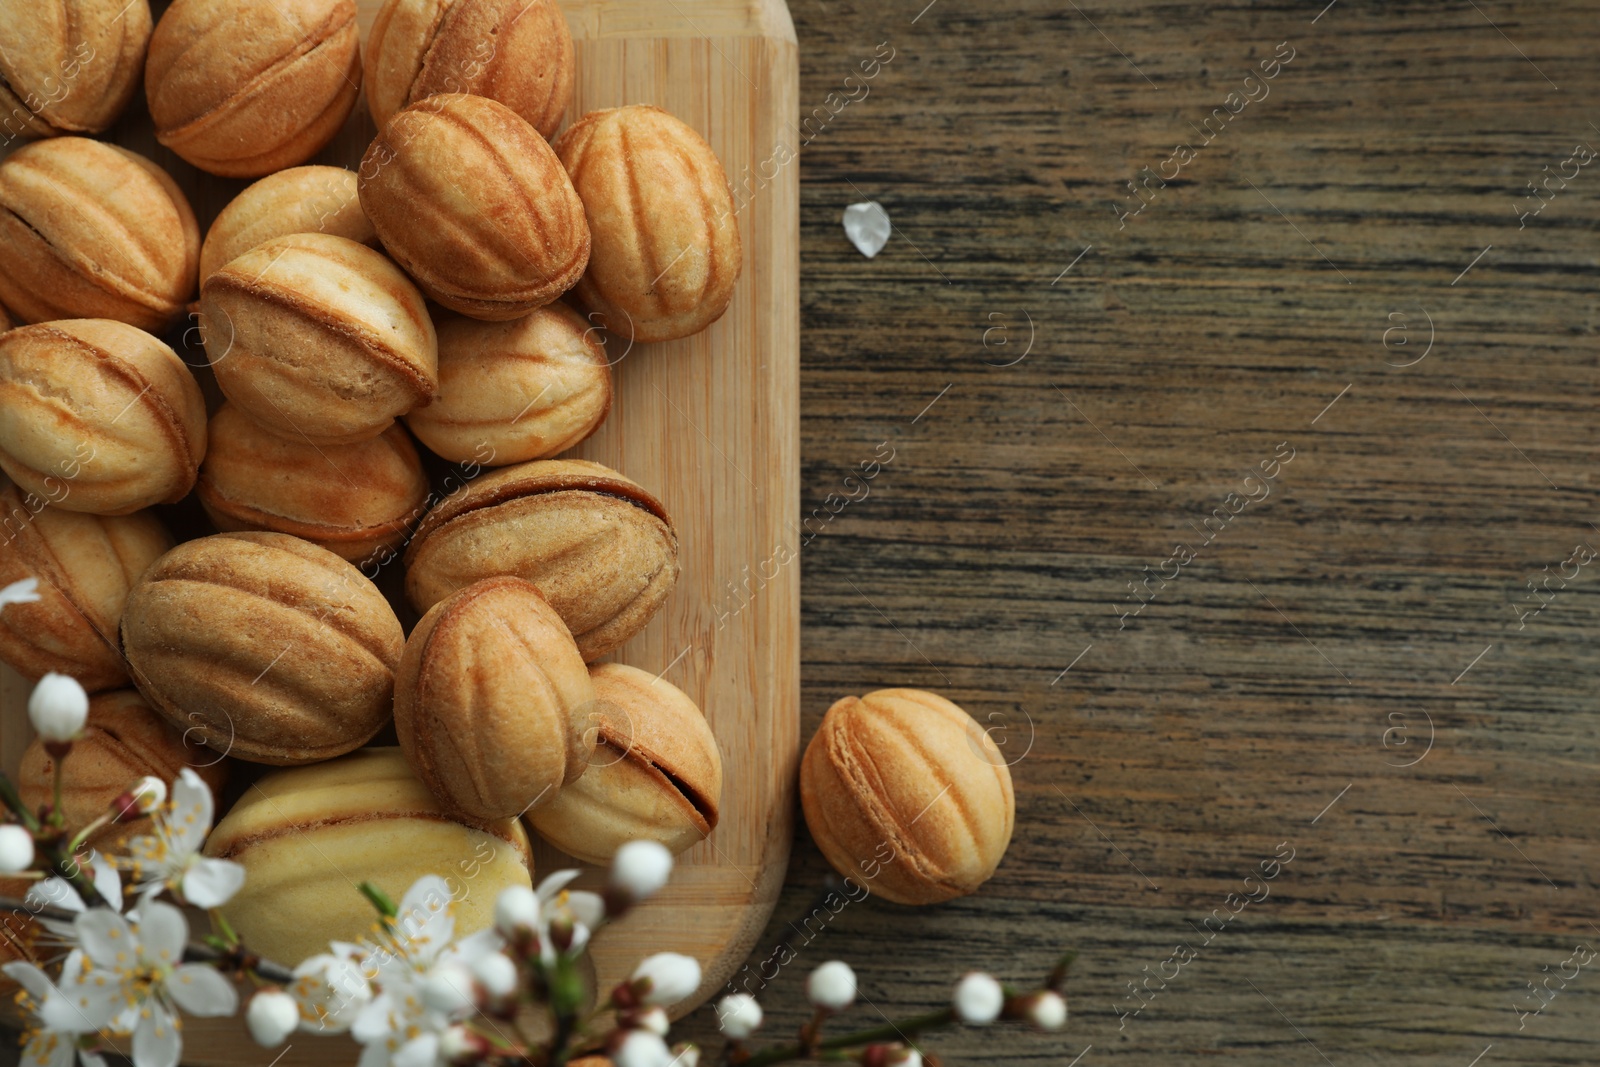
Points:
(832, 987)
(459, 1045)
(641, 1048)
(449, 988)
(516, 908)
(653, 1019)
(272, 1017)
(58, 707)
(665, 978)
(640, 869)
(1045, 1009)
(739, 1015)
(497, 974)
(978, 999)
(685, 1054)
(147, 794)
(881, 1055)
(16, 849)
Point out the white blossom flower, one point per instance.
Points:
(641, 1048)
(832, 986)
(58, 707)
(1047, 1010)
(566, 916)
(331, 989)
(16, 849)
(978, 999)
(403, 1025)
(57, 892)
(272, 1017)
(170, 857)
(136, 977)
(665, 978)
(640, 869)
(739, 1015)
(685, 1054)
(904, 1057)
(58, 1026)
(25, 591)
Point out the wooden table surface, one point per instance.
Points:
(1350, 669)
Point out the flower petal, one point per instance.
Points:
(472, 948)
(84, 1004)
(374, 1055)
(424, 921)
(30, 978)
(374, 1023)
(580, 938)
(91, 1059)
(418, 1052)
(106, 880)
(201, 991)
(163, 933)
(61, 1011)
(54, 892)
(156, 1042)
(553, 884)
(106, 938)
(587, 908)
(47, 1050)
(191, 814)
(212, 883)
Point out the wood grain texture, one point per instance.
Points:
(709, 425)
(990, 554)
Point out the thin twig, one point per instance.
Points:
(910, 1027)
(193, 953)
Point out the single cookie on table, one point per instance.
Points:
(100, 417)
(666, 249)
(599, 548)
(123, 741)
(84, 565)
(655, 773)
(471, 201)
(69, 66)
(300, 833)
(263, 647)
(358, 501)
(298, 200)
(91, 230)
(517, 390)
(492, 702)
(906, 793)
(241, 88)
(319, 339)
(518, 52)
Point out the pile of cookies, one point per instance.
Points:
(457, 290)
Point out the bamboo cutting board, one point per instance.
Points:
(709, 424)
